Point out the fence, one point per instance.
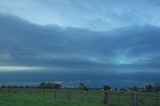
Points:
(68, 97)
(131, 99)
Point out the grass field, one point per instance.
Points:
(44, 97)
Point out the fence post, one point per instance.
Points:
(44, 92)
(157, 100)
(105, 101)
(134, 99)
(55, 94)
(82, 96)
(118, 98)
(69, 94)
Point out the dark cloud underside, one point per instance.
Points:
(130, 53)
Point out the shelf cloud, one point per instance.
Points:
(115, 40)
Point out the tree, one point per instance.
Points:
(116, 89)
(149, 88)
(27, 86)
(156, 88)
(134, 88)
(42, 85)
(15, 86)
(57, 86)
(83, 87)
(9, 86)
(107, 87)
(3, 86)
(21, 86)
(123, 89)
(50, 85)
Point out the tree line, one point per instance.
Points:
(46, 85)
(82, 86)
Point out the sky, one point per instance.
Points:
(97, 42)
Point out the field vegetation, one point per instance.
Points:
(75, 97)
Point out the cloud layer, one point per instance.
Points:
(96, 15)
(130, 54)
(99, 41)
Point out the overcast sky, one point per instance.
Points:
(103, 41)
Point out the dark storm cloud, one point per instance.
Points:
(130, 53)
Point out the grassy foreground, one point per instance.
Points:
(41, 97)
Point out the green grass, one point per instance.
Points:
(40, 97)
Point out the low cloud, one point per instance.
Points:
(21, 68)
